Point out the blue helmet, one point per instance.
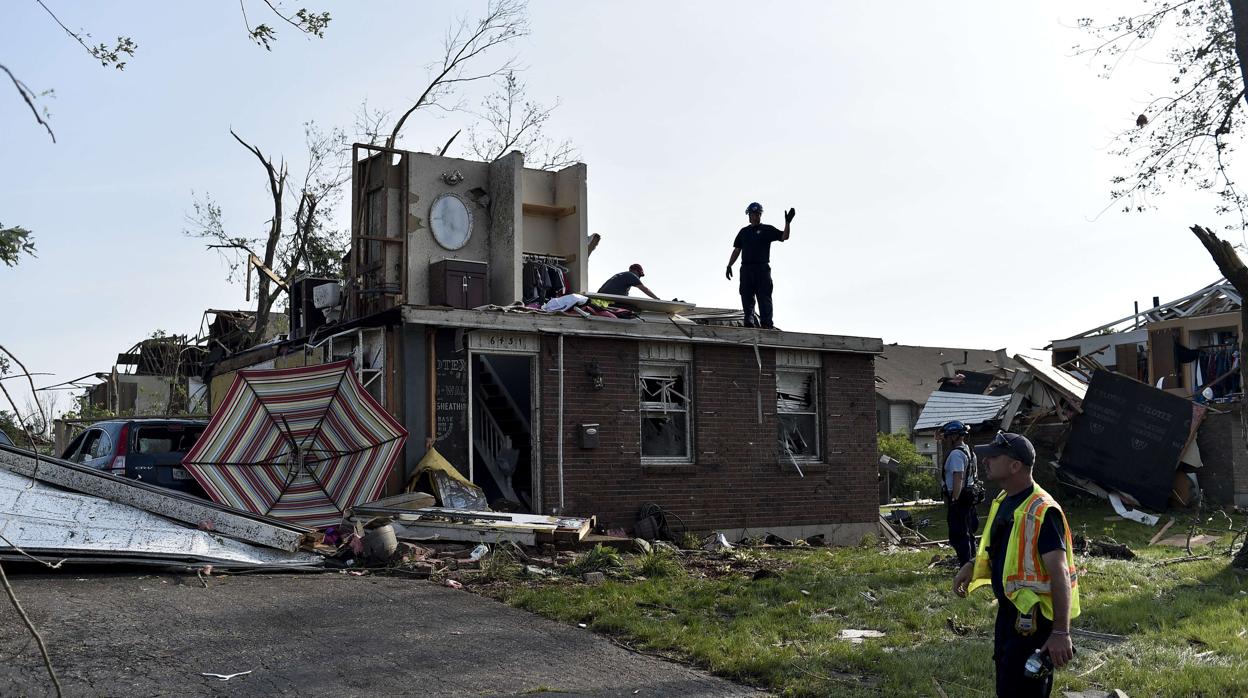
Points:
(955, 428)
(754, 207)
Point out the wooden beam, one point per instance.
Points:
(416, 531)
(665, 331)
(191, 510)
(547, 211)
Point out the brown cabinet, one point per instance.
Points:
(459, 283)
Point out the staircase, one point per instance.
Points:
(500, 431)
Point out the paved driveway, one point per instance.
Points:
(142, 634)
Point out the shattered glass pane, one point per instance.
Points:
(798, 435)
(664, 411)
(797, 415)
(663, 392)
(664, 435)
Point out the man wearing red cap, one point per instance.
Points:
(619, 284)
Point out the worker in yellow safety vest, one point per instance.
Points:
(1027, 556)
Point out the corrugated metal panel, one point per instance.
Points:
(797, 358)
(52, 523)
(943, 407)
(665, 351)
(899, 417)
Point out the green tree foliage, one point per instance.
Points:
(1187, 135)
(306, 21)
(15, 242)
(1188, 130)
(900, 447)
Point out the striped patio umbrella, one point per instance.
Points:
(302, 444)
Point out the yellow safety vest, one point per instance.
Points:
(1026, 580)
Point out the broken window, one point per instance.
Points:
(665, 428)
(797, 413)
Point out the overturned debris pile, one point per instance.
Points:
(53, 510)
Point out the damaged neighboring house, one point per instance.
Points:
(1026, 396)
(156, 376)
(1182, 346)
(1162, 422)
(907, 376)
(597, 409)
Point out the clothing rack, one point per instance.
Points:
(545, 277)
(548, 258)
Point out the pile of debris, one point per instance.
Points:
(57, 512)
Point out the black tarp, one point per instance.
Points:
(1129, 437)
(971, 383)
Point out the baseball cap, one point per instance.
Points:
(1015, 446)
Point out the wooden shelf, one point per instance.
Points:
(548, 211)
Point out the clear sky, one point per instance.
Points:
(948, 161)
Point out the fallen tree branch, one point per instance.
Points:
(1185, 558)
(43, 648)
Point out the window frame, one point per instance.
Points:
(812, 374)
(645, 409)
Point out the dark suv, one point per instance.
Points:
(150, 450)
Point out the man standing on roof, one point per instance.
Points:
(1027, 556)
(753, 245)
(955, 486)
(619, 284)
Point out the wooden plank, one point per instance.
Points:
(233, 523)
(461, 533)
(547, 211)
(1162, 532)
(890, 533)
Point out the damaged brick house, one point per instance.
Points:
(578, 412)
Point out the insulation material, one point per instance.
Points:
(452, 489)
(1130, 437)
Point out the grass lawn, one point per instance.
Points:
(1186, 624)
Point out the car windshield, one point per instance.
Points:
(167, 438)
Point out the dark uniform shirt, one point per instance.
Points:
(619, 284)
(755, 243)
(1052, 537)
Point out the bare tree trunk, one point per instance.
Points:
(1232, 267)
(1239, 20)
(277, 188)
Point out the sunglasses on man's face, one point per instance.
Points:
(1004, 441)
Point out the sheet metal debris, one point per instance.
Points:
(944, 407)
(52, 524)
(188, 509)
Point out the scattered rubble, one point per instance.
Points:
(1107, 547)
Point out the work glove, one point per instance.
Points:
(728, 274)
(788, 215)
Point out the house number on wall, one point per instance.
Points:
(502, 341)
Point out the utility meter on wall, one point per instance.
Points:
(450, 221)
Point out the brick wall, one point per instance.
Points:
(736, 481)
(1224, 478)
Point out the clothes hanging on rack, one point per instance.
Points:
(545, 277)
(1215, 362)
